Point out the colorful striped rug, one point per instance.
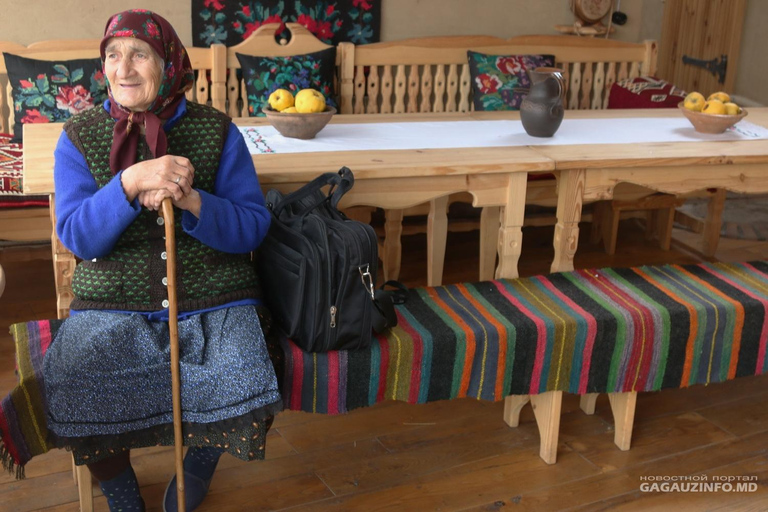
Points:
(587, 331)
(23, 430)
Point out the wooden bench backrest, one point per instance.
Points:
(262, 43)
(209, 64)
(431, 74)
(210, 76)
(6, 108)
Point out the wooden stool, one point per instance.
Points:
(660, 217)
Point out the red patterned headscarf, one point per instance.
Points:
(178, 78)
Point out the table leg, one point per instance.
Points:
(490, 222)
(570, 194)
(393, 230)
(713, 223)
(437, 233)
(511, 229)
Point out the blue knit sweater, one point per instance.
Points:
(90, 220)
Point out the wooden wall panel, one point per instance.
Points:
(702, 29)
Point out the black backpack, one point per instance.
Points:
(318, 269)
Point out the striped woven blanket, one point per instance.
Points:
(586, 331)
(23, 430)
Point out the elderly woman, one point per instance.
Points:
(107, 377)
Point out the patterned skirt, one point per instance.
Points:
(108, 385)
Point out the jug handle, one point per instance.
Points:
(561, 84)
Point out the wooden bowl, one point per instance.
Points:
(299, 126)
(711, 123)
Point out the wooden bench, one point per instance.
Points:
(590, 331)
(614, 331)
(431, 74)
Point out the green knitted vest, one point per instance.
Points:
(132, 276)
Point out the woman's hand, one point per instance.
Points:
(168, 176)
(190, 202)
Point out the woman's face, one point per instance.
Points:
(134, 71)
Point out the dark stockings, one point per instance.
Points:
(118, 482)
(109, 468)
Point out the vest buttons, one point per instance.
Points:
(165, 281)
(164, 255)
(165, 303)
(160, 221)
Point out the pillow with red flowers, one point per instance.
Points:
(497, 80)
(644, 92)
(52, 91)
(264, 75)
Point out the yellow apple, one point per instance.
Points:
(289, 110)
(694, 101)
(732, 109)
(713, 106)
(280, 100)
(719, 95)
(309, 101)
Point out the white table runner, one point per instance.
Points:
(466, 134)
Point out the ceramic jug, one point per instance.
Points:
(542, 108)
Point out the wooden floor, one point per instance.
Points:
(456, 455)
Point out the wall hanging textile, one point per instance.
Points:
(229, 22)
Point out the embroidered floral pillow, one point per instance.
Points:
(52, 91)
(497, 80)
(264, 75)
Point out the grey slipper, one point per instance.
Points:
(195, 490)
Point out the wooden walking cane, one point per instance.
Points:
(173, 328)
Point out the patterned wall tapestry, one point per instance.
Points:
(332, 21)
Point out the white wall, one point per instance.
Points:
(27, 21)
(502, 18)
(752, 77)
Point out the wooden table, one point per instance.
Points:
(590, 173)
(496, 177)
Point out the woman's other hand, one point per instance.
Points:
(190, 202)
(153, 200)
(169, 173)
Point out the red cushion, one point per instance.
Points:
(10, 166)
(644, 92)
(538, 177)
(11, 189)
